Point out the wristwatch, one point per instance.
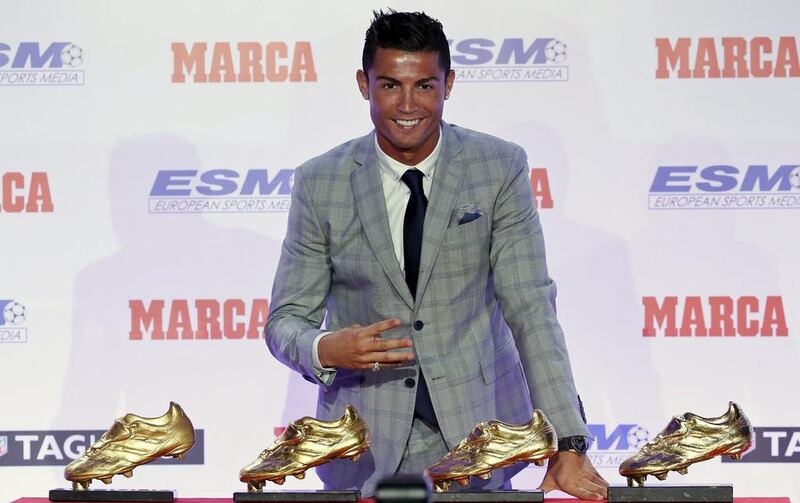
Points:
(576, 444)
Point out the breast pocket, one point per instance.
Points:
(466, 246)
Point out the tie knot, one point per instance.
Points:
(413, 178)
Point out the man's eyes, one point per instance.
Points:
(392, 85)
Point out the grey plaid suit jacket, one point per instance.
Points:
(490, 346)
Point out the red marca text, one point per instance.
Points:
(540, 187)
(206, 319)
(256, 62)
(714, 317)
(17, 198)
(727, 57)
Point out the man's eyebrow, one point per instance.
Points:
(395, 81)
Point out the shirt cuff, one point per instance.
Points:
(324, 374)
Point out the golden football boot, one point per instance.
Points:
(130, 442)
(689, 439)
(495, 444)
(305, 443)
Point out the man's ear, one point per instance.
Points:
(448, 83)
(363, 85)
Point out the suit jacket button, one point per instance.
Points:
(410, 382)
(418, 325)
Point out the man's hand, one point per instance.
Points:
(574, 474)
(359, 347)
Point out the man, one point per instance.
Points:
(421, 244)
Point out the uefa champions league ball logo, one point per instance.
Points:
(14, 313)
(794, 178)
(72, 55)
(555, 51)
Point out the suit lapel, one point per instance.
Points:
(444, 192)
(371, 206)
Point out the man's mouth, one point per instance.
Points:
(408, 124)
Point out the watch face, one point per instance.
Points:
(579, 444)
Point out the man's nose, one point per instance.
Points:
(407, 102)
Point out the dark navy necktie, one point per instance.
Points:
(412, 248)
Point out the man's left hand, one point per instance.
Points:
(574, 474)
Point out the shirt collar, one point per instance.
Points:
(395, 168)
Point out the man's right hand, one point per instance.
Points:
(359, 347)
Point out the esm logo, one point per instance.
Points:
(612, 446)
(509, 60)
(721, 186)
(221, 191)
(37, 64)
(727, 57)
(13, 315)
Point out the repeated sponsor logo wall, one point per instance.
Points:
(145, 185)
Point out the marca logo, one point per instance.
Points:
(540, 188)
(715, 316)
(720, 186)
(610, 448)
(773, 445)
(205, 319)
(509, 60)
(221, 191)
(37, 64)
(727, 57)
(19, 196)
(12, 320)
(59, 447)
(245, 62)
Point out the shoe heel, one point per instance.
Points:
(178, 453)
(354, 453)
(539, 458)
(737, 452)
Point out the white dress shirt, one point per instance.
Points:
(396, 194)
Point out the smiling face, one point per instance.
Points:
(406, 93)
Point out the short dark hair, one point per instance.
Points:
(405, 31)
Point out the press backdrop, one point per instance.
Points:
(146, 159)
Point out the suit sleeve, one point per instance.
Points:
(527, 298)
(300, 289)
